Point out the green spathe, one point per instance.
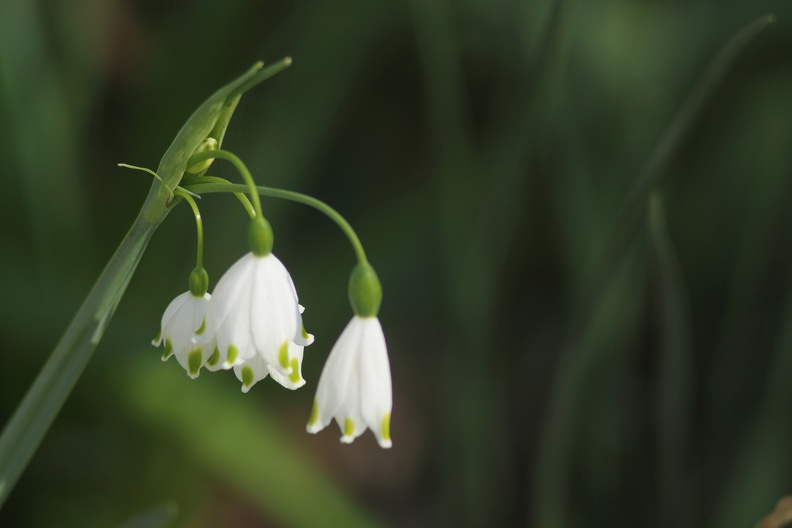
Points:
(365, 291)
(209, 120)
(22, 435)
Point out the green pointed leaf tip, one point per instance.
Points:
(198, 127)
(365, 291)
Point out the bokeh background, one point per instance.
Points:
(566, 351)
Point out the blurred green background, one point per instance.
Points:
(484, 151)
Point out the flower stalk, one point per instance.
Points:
(46, 396)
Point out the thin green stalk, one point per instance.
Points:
(240, 166)
(213, 187)
(38, 409)
(633, 212)
(198, 226)
(675, 380)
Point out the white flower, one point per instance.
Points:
(355, 385)
(255, 369)
(254, 318)
(183, 318)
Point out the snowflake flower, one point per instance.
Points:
(355, 384)
(183, 318)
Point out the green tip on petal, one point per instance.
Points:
(247, 376)
(294, 377)
(214, 358)
(159, 337)
(233, 352)
(314, 415)
(168, 350)
(194, 362)
(385, 428)
(202, 329)
(305, 334)
(283, 355)
(349, 427)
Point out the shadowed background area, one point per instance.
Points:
(565, 352)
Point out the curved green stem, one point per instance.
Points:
(240, 166)
(198, 225)
(215, 186)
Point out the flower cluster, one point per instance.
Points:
(252, 323)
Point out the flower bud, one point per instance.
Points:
(208, 143)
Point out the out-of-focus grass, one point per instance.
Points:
(482, 150)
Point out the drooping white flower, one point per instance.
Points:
(254, 314)
(183, 318)
(355, 384)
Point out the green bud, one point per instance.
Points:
(209, 143)
(260, 237)
(365, 291)
(199, 282)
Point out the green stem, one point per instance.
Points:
(216, 186)
(31, 420)
(240, 166)
(198, 225)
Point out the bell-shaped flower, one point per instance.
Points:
(355, 384)
(184, 318)
(254, 315)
